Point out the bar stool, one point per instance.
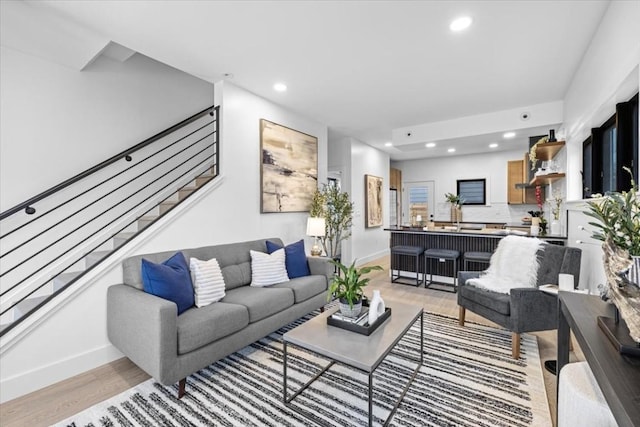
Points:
(442, 255)
(479, 257)
(414, 251)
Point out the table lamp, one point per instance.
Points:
(316, 228)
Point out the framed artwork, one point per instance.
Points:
(373, 202)
(289, 168)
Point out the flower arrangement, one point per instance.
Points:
(618, 216)
(556, 203)
(533, 156)
(454, 199)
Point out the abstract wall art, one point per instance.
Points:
(373, 201)
(289, 168)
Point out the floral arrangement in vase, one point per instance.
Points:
(456, 202)
(556, 204)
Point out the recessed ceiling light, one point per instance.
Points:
(460, 23)
(280, 87)
(451, 150)
(388, 144)
(430, 144)
(509, 135)
(494, 145)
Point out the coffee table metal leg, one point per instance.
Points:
(421, 338)
(284, 364)
(370, 399)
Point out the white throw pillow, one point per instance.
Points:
(268, 269)
(208, 282)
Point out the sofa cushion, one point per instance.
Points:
(268, 269)
(208, 283)
(170, 280)
(261, 302)
(295, 258)
(202, 326)
(305, 287)
(495, 301)
(233, 258)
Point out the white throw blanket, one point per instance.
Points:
(514, 264)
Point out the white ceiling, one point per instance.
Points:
(364, 68)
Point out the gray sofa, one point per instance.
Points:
(524, 309)
(169, 347)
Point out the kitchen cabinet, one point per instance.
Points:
(518, 192)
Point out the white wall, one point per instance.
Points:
(73, 339)
(367, 244)
(444, 171)
(608, 74)
(56, 122)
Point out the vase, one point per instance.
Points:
(535, 221)
(376, 307)
(456, 213)
(349, 311)
(555, 227)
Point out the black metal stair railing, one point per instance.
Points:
(50, 241)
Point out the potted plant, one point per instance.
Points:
(337, 210)
(347, 286)
(618, 225)
(456, 203)
(618, 216)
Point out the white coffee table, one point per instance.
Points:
(364, 353)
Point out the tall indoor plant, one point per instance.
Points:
(337, 210)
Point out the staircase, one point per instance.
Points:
(49, 242)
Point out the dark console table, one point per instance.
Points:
(618, 376)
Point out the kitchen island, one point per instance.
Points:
(465, 240)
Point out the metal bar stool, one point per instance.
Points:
(479, 257)
(442, 255)
(414, 251)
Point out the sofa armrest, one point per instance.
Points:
(321, 266)
(533, 310)
(144, 328)
(463, 276)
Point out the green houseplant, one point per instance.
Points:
(618, 226)
(618, 217)
(337, 210)
(456, 202)
(348, 286)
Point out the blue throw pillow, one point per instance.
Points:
(295, 258)
(170, 280)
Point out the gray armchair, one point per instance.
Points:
(523, 309)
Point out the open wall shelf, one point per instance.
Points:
(546, 179)
(548, 150)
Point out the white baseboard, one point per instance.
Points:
(374, 256)
(28, 382)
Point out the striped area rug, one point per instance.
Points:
(468, 379)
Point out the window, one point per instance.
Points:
(587, 173)
(472, 191)
(612, 147)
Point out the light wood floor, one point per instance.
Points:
(62, 400)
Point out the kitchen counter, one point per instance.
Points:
(482, 240)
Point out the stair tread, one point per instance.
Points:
(24, 306)
(125, 235)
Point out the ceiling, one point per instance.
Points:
(365, 68)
